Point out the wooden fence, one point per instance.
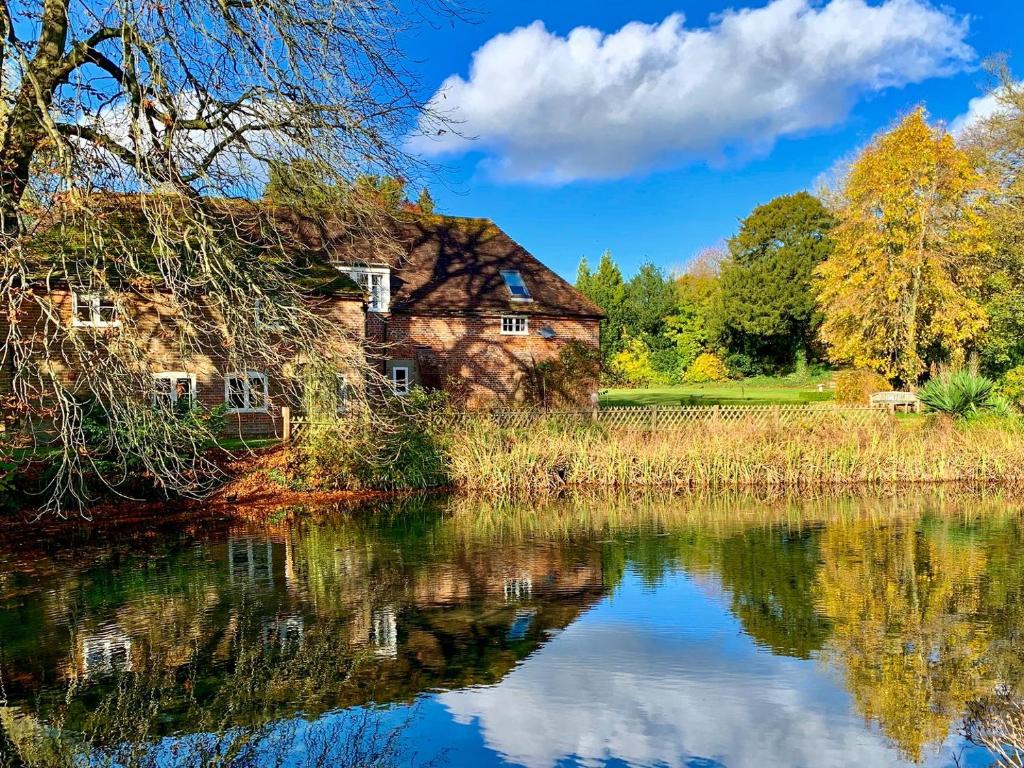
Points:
(673, 417)
(660, 418)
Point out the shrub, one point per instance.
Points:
(962, 395)
(1011, 386)
(401, 446)
(744, 365)
(857, 386)
(707, 367)
(633, 364)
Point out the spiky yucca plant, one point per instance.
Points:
(961, 395)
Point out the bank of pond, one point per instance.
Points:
(653, 629)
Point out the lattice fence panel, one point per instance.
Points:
(638, 418)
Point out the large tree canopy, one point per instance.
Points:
(997, 145)
(901, 289)
(766, 302)
(182, 104)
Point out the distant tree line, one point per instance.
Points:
(911, 266)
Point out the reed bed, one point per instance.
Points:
(550, 456)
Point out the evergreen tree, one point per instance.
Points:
(766, 306)
(607, 289)
(425, 202)
(650, 299)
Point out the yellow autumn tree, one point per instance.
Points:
(899, 291)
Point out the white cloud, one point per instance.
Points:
(979, 109)
(591, 105)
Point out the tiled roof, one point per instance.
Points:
(450, 265)
(440, 264)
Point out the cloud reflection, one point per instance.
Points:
(647, 680)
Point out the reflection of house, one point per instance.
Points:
(518, 588)
(285, 632)
(251, 562)
(521, 624)
(105, 653)
(384, 632)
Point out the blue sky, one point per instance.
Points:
(653, 141)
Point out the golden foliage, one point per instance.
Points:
(857, 386)
(707, 367)
(900, 290)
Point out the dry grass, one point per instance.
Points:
(827, 453)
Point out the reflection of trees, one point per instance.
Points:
(905, 601)
(921, 606)
(770, 573)
(920, 603)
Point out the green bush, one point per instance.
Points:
(856, 387)
(706, 368)
(400, 446)
(961, 395)
(744, 365)
(1011, 386)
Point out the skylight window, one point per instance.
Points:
(516, 287)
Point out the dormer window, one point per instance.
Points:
(516, 287)
(376, 283)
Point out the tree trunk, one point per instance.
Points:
(25, 130)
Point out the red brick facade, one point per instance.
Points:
(471, 357)
(154, 322)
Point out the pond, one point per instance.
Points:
(589, 631)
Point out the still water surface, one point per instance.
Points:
(588, 632)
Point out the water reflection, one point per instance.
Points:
(637, 631)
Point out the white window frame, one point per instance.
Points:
(174, 376)
(93, 300)
(506, 274)
(515, 325)
(381, 301)
(394, 380)
(251, 402)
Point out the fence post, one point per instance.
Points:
(777, 414)
(286, 428)
(716, 413)
(654, 417)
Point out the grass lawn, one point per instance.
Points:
(762, 390)
(252, 444)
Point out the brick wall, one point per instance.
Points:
(470, 356)
(155, 334)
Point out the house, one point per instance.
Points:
(452, 304)
(461, 306)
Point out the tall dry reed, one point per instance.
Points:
(551, 455)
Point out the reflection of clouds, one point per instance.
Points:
(666, 692)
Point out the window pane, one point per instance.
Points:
(257, 391)
(83, 309)
(183, 394)
(514, 283)
(400, 378)
(163, 392)
(236, 392)
(107, 312)
(342, 394)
